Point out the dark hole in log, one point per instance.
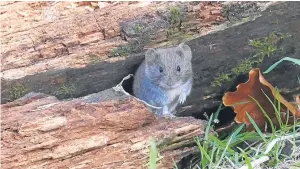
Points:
(189, 161)
(226, 115)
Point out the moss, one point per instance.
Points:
(171, 32)
(175, 16)
(275, 22)
(266, 47)
(66, 90)
(120, 51)
(175, 22)
(17, 91)
(94, 58)
(187, 36)
(245, 66)
(138, 28)
(178, 38)
(222, 78)
(246, 19)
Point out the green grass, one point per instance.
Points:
(226, 153)
(153, 155)
(295, 61)
(256, 128)
(267, 144)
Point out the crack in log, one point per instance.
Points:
(34, 48)
(65, 46)
(101, 30)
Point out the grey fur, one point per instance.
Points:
(175, 80)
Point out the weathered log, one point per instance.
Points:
(213, 54)
(39, 131)
(39, 36)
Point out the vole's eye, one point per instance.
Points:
(160, 69)
(178, 68)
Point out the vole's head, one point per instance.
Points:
(169, 68)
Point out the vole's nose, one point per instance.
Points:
(169, 83)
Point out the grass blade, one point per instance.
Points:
(266, 115)
(277, 110)
(278, 104)
(153, 155)
(238, 103)
(247, 160)
(237, 131)
(296, 61)
(216, 115)
(204, 154)
(212, 155)
(220, 144)
(208, 127)
(175, 165)
(256, 127)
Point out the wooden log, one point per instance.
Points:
(39, 36)
(213, 54)
(40, 131)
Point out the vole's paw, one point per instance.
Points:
(182, 98)
(169, 116)
(166, 114)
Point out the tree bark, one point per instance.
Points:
(39, 36)
(39, 131)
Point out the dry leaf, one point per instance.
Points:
(257, 87)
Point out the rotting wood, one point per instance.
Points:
(42, 132)
(41, 36)
(213, 54)
(57, 36)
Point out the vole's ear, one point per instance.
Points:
(151, 55)
(184, 51)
